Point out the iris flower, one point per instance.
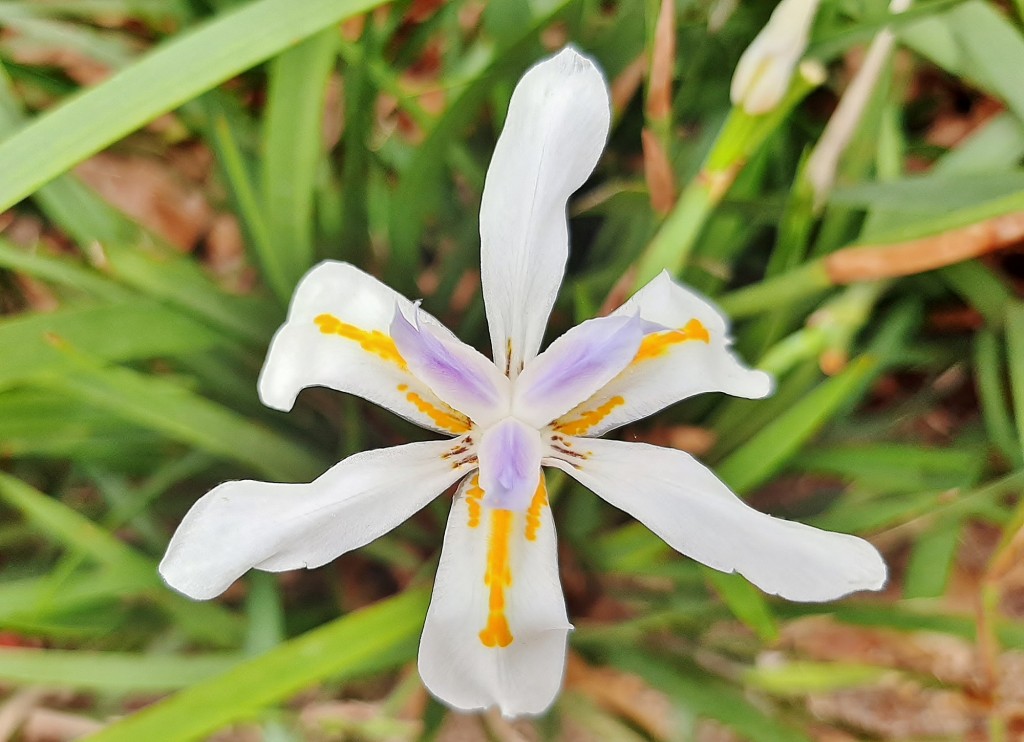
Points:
(496, 630)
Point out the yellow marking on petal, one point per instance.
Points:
(656, 344)
(448, 419)
(588, 420)
(497, 577)
(474, 494)
(540, 499)
(372, 341)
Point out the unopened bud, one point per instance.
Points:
(764, 72)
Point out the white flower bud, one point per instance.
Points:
(764, 72)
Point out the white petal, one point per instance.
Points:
(457, 373)
(338, 335)
(555, 130)
(525, 675)
(275, 527)
(686, 505)
(575, 366)
(670, 366)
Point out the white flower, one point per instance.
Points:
(766, 67)
(496, 630)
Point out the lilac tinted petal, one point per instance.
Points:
(576, 365)
(509, 455)
(456, 373)
(698, 358)
(337, 336)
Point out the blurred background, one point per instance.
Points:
(170, 168)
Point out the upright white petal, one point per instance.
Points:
(338, 335)
(276, 527)
(766, 67)
(492, 642)
(555, 130)
(685, 504)
(670, 366)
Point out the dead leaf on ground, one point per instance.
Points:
(624, 694)
(152, 194)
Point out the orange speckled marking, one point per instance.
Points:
(497, 577)
(372, 341)
(657, 343)
(473, 497)
(540, 499)
(588, 420)
(448, 419)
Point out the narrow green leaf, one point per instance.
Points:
(177, 71)
(775, 444)
(370, 640)
(705, 696)
(74, 531)
(121, 331)
(801, 678)
(169, 408)
(1015, 361)
(292, 151)
(931, 561)
(180, 281)
(60, 271)
(993, 396)
(207, 622)
(745, 601)
(109, 671)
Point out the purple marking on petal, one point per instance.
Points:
(441, 369)
(585, 358)
(510, 454)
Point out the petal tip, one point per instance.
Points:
(762, 384)
(275, 398)
(180, 578)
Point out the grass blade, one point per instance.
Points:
(372, 639)
(108, 671)
(176, 72)
(293, 148)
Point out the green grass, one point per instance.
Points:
(128, 367)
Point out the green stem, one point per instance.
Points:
(805, 282)
(741, 137)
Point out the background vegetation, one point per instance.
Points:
(169, 168)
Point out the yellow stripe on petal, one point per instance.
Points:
(498, 577)
(658, 343)
(540, 500)
(372, 341)
(473, 497)
(586, 421)
(448, 419)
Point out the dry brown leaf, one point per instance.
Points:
(80, 68)
(901, 709)
(663, 60)
(627, 82)
(152, 194)
(873, 262)
(48, 725)
(661, 181)
(624, 694)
